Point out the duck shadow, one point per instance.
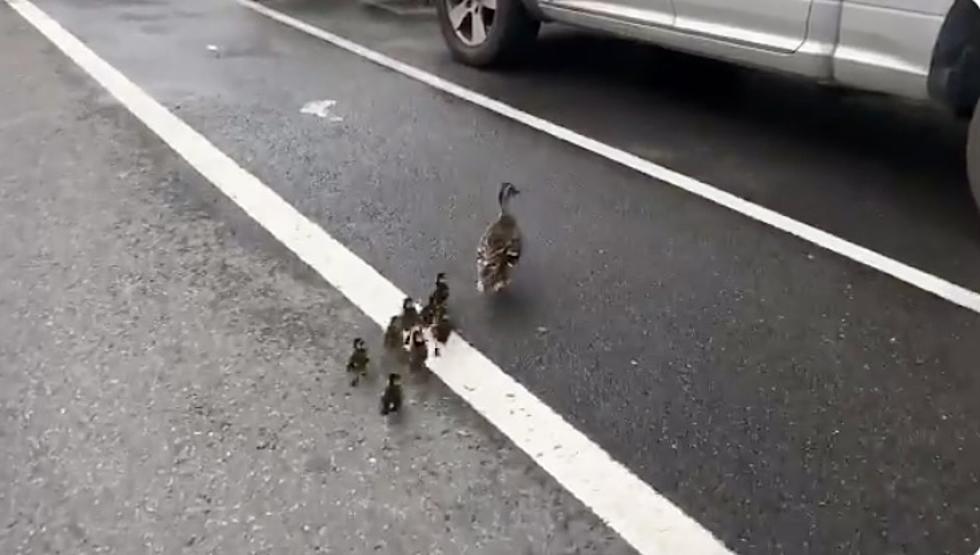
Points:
(397, 419)
(514, 307)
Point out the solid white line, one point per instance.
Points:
(913, 276)
(643, 517)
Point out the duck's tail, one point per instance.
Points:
(501, 285)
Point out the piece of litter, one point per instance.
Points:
(212, 47)
(542, 329)
(634, 362)
(321, 109)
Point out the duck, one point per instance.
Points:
(418, 352)
(391, 398)
(441, 331)
(358, 362)
(500, 246)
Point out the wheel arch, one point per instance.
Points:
(954, 75)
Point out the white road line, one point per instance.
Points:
(643, 517)
(913, 276)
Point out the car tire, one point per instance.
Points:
(973, 155)
(508, 30)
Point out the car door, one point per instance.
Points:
(658, 13)
(771, 24)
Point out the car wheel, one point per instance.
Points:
(973, 155)
(483, 33)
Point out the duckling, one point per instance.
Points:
(437, 300)
(442, 330)
(393, 333)
(438, 313)
(391, 399)
(358, 362)
(500, 247)
(418, 353)
(440, 296)
(409, 317)
(428, 313)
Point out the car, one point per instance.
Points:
(917, 49)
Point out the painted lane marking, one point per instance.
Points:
(643, 517)
(936, 285)
(321, 109)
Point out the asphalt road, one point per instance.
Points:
(789, 400)
(172, 382)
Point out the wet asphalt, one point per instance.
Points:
(167, 387)
(790, 400)
(881, 172)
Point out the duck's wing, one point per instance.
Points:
(485, 247)
(484, 252)
(499, 251)
(497, 239)
(514, 247)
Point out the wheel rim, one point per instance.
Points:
(471, 20)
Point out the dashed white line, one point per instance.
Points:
(643, 517)
(936, 285)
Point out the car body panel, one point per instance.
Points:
(885, 49)
(934, 7)
(656, 15)
(879, 45)
(769, 24)
(811, 58)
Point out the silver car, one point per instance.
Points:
(918, 49)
